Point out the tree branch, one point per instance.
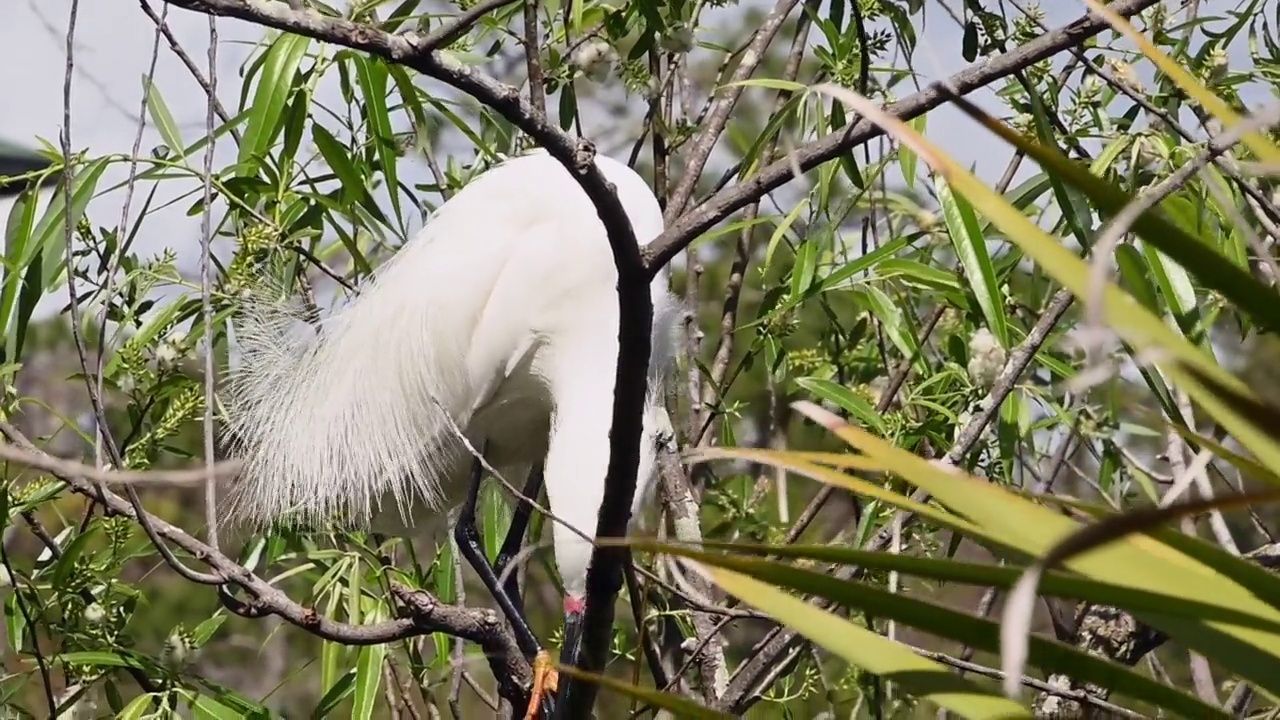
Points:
(421, 614)
(719, 206)
(718, 117)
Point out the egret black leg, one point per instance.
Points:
(469, 545)
(512, 544)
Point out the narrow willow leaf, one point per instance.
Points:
(373, 78)
(838, 278)
(138, 708)
(894, 323)
(771, 83)
(851, 402)
(781, 231)
(971, 248)
(338, 692)
(211, 708)
(50, 235)
(681, 706)
(935, 618)
(907, 158)
(368, 680)
(1015, 626)
(867, 649)
(160, 115)
(18, 231)
(275, 84)
(338, 158)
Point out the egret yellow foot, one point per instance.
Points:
(545, 679)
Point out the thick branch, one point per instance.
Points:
(719, 206)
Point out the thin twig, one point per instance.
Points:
(113, 263)
(163, 27)
(174, 478)
(695, 159)
(532, 56)
(743, 249)
(46, 678)
(206, 293)
(1076, 695)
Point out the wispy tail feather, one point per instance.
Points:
(329, 420)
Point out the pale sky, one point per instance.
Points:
(113, 48)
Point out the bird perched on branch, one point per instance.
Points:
(495, 328)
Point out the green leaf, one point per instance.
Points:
(206, 706)
(330, 652)
(336, 694)
(495, 514)
(908, 160)
(836, 279)
(368, 680)
(971, 249)
(771, 83)
(18, 232)
(15, 622)
(372, 74)
(30, 295)
(137, 708)
(871, 651)
(1134, 272)
(893, 322)
(103, 658)
(1174, 283)
(275, 83)
(853, 403)
(781, 231)
(71, 552)
(678, 705)
(161, 116)
(50, 235)
(803, 271)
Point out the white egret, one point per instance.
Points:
(499, 319)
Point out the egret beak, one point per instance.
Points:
(574, 608)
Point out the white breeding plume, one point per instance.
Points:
(500, 318)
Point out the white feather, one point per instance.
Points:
(502, 312)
